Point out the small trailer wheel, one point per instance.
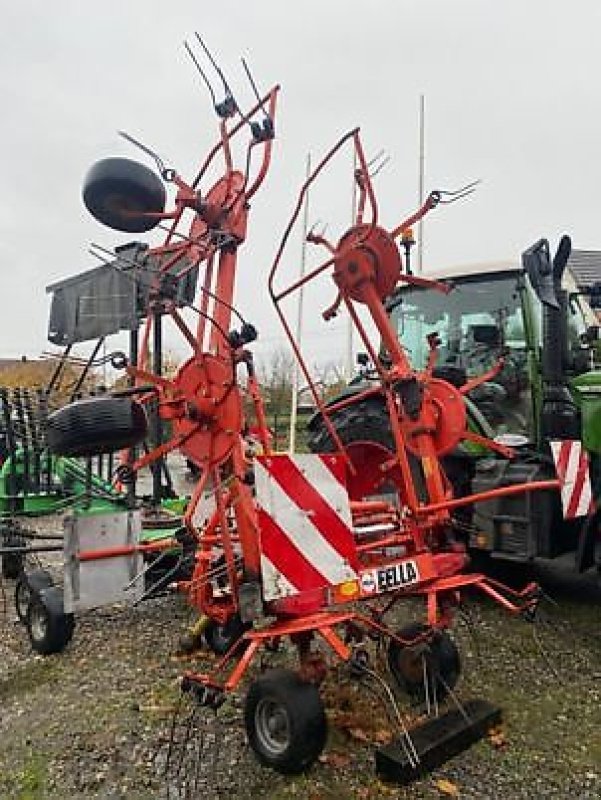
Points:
(28, 584)
(437, 657)
(220, 638)
(50, 629)
(96, 425)
(285, 721)
(119, 193)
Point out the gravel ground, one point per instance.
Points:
(96, 721)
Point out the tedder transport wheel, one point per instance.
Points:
(285, 721)
(97, 425)
(221, 637)
(434, 663)
(50, 629)
(119, 191)
(28, 584)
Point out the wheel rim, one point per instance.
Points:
(272, 726)
(221, 638)
(22, 599)
(38, 622)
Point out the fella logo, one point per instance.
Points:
(394, 576)
(397, 575)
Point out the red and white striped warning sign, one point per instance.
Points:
(571, 465)
(307, 540)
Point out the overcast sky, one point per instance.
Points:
(513, 96)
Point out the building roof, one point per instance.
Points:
(10, 363)
(585, 266)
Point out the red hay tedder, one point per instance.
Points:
(315, 548)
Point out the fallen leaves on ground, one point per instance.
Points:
(335, 758)
(447, 787)
(496, 736)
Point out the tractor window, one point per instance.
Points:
(475, 322)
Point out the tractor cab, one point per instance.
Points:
(490, 313)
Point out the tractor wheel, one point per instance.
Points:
(438, 658)
(285, 721)
(29, 584)
(364, 428)
(97, 425)
(50, 629)
(220, 638)
(366, 421)
(118, 192)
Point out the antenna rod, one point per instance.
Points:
(299, 319)
(349, 328)
(420, 224)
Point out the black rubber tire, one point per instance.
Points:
(96, 425)
(442, 661)
(281, 698)
(364, 421)
(28, 584)
(50, 629)
(118, 191)
(220, 638)
(368, 421)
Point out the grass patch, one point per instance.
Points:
(30, 781)
(27, 678)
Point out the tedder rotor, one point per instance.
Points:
(317, 548)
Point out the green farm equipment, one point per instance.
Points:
(37, 489)
(534, 330)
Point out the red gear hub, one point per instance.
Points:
(442, 417)
(374, 259)
(209, 409)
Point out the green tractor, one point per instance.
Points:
(544, 329)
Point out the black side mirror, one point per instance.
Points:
(564, 248)
(537, 263)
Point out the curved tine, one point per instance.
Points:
(544, 655)
(317, 231)
(254, 87)
(377, 163)
(149, 152)
(380, 154)
(455, 199)
(217, 69)
(202, 73)
(469, 186)
(380, 167)
(459, 194)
